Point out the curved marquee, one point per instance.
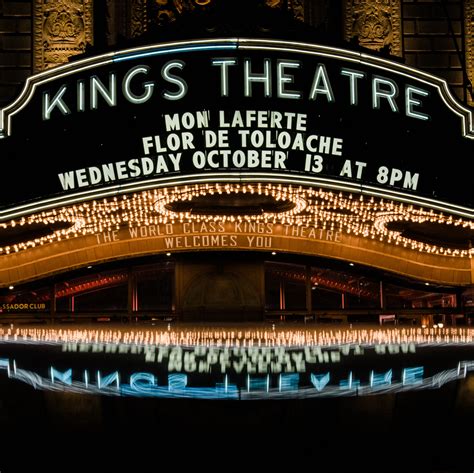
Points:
(235, 110)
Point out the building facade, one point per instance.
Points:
(205, 160)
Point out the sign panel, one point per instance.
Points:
(22, 306)
(236, 110)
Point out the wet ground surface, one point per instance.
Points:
(385, 416)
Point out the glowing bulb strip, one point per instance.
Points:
(422, 201)
(183, 195)
(290, 179)
(247, 336)
(352, 214)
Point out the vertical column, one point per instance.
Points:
(282, 295)
(138, 18)
(458, 304)
(132, 300)
(382, 296)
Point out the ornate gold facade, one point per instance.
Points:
(374, 24)
(144, 13)
(62, 28)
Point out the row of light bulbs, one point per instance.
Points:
(354, 215)
(250, 337)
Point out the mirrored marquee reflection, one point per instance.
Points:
(263, 363)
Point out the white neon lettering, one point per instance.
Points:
(283, 78)
(321, 84)
(353, 79)
(411, 102)
(264, 78)
(148, 86)
(81, 96)
(175, 80)
(98, 88)
(49, 106)
(380, 93)
(224, 66)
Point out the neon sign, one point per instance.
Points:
(384, 92)
(214, 110)
(285, 385)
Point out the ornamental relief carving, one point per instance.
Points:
(137, 17)
(374, 24)
(294, 6)
(62, 28)
(162, 12)
(297, 7)
(145, 13)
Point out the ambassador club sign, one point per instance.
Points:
(235, 110)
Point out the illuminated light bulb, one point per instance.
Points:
(311, 206)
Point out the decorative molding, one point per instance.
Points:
(138, 19)
(110, 16)
(297, 7)
(62, 28)
(145, 13)
(374, 24)
(469, 39)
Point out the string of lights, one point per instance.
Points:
(239, 337)
(358, 215)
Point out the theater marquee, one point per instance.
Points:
(235, 110)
